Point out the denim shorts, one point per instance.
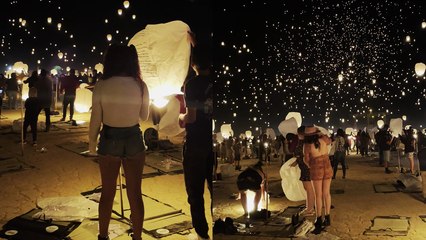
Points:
(121, 141)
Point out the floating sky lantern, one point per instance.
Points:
(120, 11)
(249, 134)
(340, 77)
(23, 23)
(99, 68)
(60, 55)
(59, 25)
(49, 20)
(408, 38)
(109, 37)
(270, 133)
(164, 53)
(20, 68)
(404, 117)
(126, 4)
(420, 69)
(380, 123)
(133, 16)
(423, 25)
(68, 69)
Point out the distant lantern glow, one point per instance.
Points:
(126, 4)
(49, 20)
(120, 11)
(134, 16)
(424, 25)
(59, 26)
(380, 123)
(83, 100)
(420, 69)
(404, 117)
(408, 38)
(60, 55)
(340, 77)
(24, 22)
(109, 37)
(106, 20)
(68, 69)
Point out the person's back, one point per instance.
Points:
(70, 84)
(316, 152)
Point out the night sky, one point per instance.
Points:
(282, 56)
(83, 28)
(336, 62)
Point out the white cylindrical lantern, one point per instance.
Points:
(380, 123)
(59, 26)
(49, 20)
(349, 131)
(120, 11)
(248, 134)
(83, 99)
(109, 37)
(395, 125)
(424, 25)
(288, 126)
(226, 130)
(126, 4)
(60, 55)
(420, 69)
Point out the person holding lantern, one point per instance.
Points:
(197, 149)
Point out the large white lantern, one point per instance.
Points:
(270, 133)
(420, 69)
(395, 125)
(169, 122)
(164, 54)
(83, 99)
(99, 68)
(20, 68)
(297, 116)
(226, 130)
(288, 126)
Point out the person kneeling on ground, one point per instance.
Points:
(253, 179)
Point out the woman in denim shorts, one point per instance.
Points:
(120, 100)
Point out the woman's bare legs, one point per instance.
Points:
(109, 168)
(133, 168)
(318, 185)
(326, 195)
(310, 195)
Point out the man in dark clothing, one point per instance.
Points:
(44, 94)
(12, 89)
(197, 151)
(69, 84)
(32, 109)
(385, 141)
(32, 80)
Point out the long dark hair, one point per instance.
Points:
(121, 60)
(312, 139)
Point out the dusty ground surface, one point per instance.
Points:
(58, 173)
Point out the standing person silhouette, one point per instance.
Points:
(120, 92)
(197, 151)
(68, 87)
(44, 94)
(318, 162)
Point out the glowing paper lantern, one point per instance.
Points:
(340, 77)
(404, 118)
(270, 133)
(20, 67)
(99, 68)
(68, 69)
(54, 72)
(60, 55)
(248, 134)
(164, 53)
(120, 11)
(349, 130)
(408, 38)
(420, 69)
(59, 26)
(423, 25)
(126, 4)
(49, 20)
(380, 123)
(25, 89)
(83, 99)
(24, 22)
(295, 115)
(395, 125)
(134, 16)
(169, 123)
(109, 37)
(226, 130)
(288, 126)
(219, 137)
(292, 187)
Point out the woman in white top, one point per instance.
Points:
(120, 100)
